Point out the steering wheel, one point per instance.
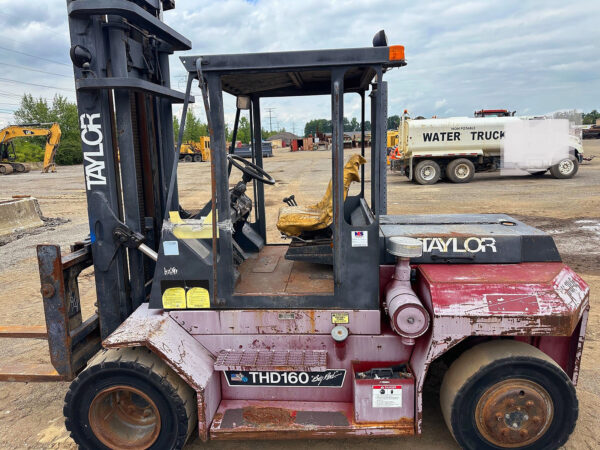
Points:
(250, 169)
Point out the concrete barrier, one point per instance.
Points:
(19, 214)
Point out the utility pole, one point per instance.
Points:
(270, 110)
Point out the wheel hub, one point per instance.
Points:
(124, 417)
(565, 167)
(427, 172)
(462, 171)
(514, 413)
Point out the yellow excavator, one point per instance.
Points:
(12, 132)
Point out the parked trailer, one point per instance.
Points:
(204, 325)
(456, 148)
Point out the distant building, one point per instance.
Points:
(285, 138)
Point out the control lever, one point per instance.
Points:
(291, 200)
(132, 239)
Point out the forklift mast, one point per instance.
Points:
(120, 52)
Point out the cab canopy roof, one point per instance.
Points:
(294, 73)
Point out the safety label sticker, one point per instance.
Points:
(171, 248)
(387, 396)
(340, 317)
(360, 238)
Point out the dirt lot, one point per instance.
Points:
(31, 414)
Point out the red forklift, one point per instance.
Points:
(205, 326)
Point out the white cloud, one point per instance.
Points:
(440, 103)
(535, 56)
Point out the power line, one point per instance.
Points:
(10, 94)
(33, 56)
(8, 80)
(270, 110)
(37, 70)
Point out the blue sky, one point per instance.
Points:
(531, 56)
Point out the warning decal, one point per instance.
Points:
(360, 238)
(387, 396)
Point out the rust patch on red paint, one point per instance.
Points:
(258, 416)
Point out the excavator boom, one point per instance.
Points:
(7, 135)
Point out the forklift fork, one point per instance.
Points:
(71, 341)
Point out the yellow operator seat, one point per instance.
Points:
(293, 220)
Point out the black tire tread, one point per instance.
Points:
(418, 180)
(142, 360)
(491, 355)
(452, 165)
(556, 173)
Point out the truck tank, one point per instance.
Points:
(458, 133)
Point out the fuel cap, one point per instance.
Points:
(404, 247)
(339, 333)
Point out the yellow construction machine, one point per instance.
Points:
(12, 132)
(196, 151)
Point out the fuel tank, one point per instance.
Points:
(469, 239)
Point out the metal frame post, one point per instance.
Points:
(259, 188)
(337, 148)
(224, 251)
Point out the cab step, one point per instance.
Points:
(244, 419)
(272, 360)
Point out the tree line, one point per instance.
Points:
(195, 129)
(40, 110)
(61, 110)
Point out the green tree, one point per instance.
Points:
(591, 117)
(393, 122)
(320, 125)
(61, 110)
(243, 132)
(194, 128)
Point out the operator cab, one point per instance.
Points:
(220, 257)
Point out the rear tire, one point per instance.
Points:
(460, 170)
(129, 398)
(427, 172)
(188, 158)
(566, 168)
(508, 394)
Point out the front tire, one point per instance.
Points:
(197, 158)
(460, 170)
(566, 168)
(508, 394)
(427, 172)
(129, 398)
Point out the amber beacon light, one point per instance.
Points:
(396, 52)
